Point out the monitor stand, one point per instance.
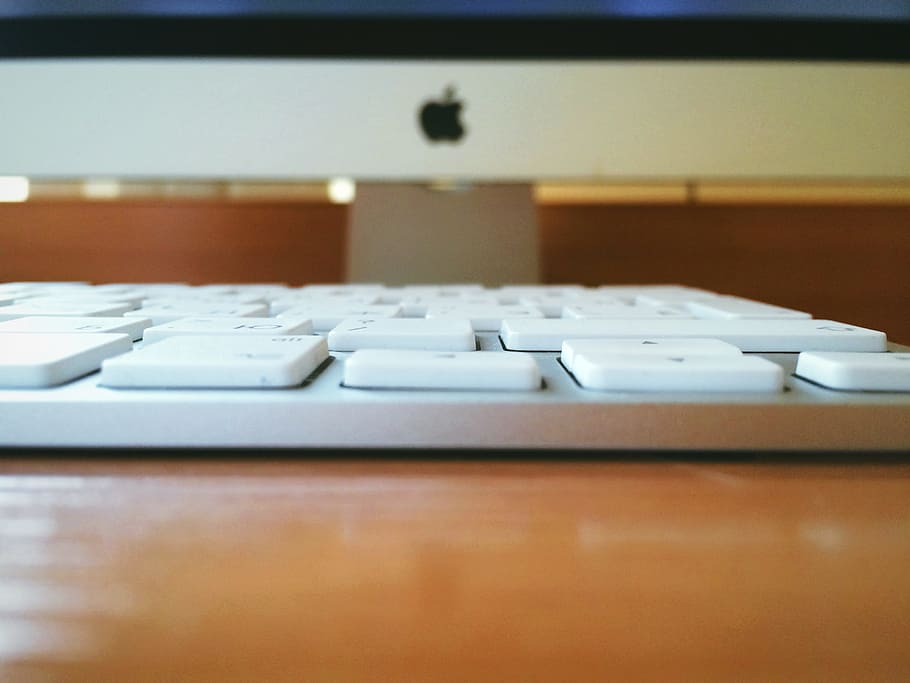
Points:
(420, 234)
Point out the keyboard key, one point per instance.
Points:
(615, 372)
(734, 307)
(442, 289)
(238, 326)
(129, 292)
(201, 297)
(57, 324)
(574, 348)
(161, 314)
(265, 291)
(43, 288)
(326, 316)
(595, 298)
(484, 318)
(417, 306)
(403, 333)
(64, 308)
(86, 297)
(239, 292)
(340, 289)
(856, 371)
(350, 301)
(44, 360)
(148, 290)
(215, 361)
(659, 295)
(512, 294)
(551, 303)
(396, 369)
(623, 311)
(782, 336)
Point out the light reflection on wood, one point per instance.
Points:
(453, 571)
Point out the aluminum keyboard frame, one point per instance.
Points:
(323, 414)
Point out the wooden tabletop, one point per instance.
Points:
(247, 569)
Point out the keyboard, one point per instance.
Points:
(365, 366)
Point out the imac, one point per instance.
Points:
(446, 112)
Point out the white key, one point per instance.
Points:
(670, 295)
(782, 336)
(403, 333)
(267, 291)
(486, 318)
(595, 298)
(240, 326)
(327, 316)
(160, 315)
(62, 324)
(734, 307)
(678, 373)
(43, 360)
(417, 306)
(485, 370)
(574, 348)
(241, 290)
(551, 303)
(13, 291)
(623, 311)
(345, 288)
(443, 289)
(117, 290)
(26, 295)
(409, 295)
(215, 361)
(856, 371)
(83, 300)
(65, 308)
(149, 290)
(512, 294)
(46, 285)
(194, 296)
(350, 301)
(673, 293)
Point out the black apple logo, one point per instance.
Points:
(439, 119)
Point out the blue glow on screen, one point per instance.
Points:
(808, 9)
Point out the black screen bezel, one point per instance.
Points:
(455, 38)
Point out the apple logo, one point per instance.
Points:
(439, 119)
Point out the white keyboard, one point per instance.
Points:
(651, 367)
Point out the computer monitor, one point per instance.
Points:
(495, 94)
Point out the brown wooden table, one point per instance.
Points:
(362, 570)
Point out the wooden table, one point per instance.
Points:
(247, 569)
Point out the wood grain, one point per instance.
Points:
(248, 569)
(848, 263)
(190, 241)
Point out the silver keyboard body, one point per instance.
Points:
(322, 414)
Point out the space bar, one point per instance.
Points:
(783, 336)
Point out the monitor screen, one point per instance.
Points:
(502, 90)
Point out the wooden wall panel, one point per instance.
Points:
(188, 241)
(847, 263)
